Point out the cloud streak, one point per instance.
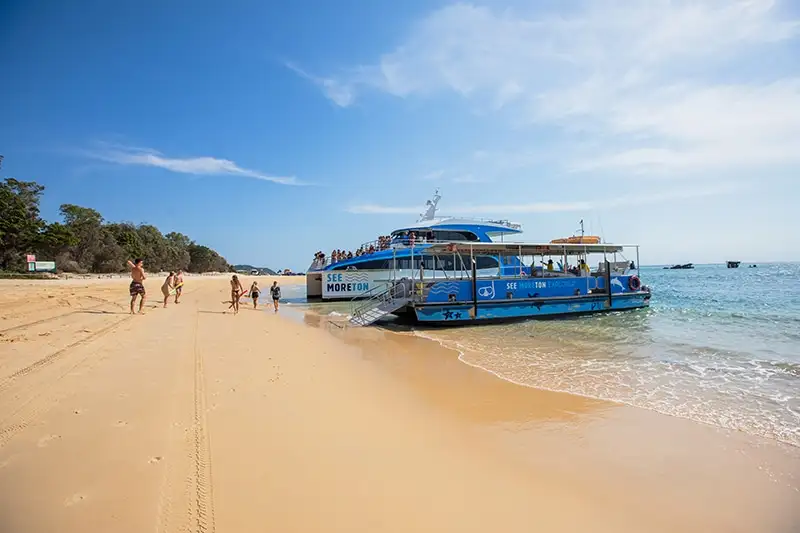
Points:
(200, 166)
(558, 207)
(662, 86)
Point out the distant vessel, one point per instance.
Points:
(680, 267)
(734, 264)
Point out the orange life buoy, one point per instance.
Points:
(634, 283)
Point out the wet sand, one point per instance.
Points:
(192, 419)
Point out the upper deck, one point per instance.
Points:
(428, 229)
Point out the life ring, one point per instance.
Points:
(634, 283)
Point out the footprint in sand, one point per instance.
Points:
(77, 412)
(44, 441)
(155, 459)
(121, 424)
(74, 499)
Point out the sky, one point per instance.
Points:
(269, 130)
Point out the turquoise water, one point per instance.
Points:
(719, 346)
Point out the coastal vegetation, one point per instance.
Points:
(84, 242)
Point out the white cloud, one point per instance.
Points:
(632, 200)
(662, 85)
(342, 94)
(211, 166)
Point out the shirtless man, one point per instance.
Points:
(137, 287)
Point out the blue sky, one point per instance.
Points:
(269, 130)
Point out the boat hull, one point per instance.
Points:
(466, 313)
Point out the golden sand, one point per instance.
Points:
(192, 419)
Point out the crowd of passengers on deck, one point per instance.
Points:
(384, 242)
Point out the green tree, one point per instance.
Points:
(128, 238)
(86, 225)
(20, 222)
(55, 239)
(178, 250)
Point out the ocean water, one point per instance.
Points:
(720, 346)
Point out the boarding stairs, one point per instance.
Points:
(382, 303)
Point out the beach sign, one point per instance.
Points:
(44, 266)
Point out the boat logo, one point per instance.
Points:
(618, 283)
(487, 292)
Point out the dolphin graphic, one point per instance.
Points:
(618, 283)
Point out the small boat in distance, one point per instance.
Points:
(687, 266)
(734, 264)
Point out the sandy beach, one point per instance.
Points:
(192, 419)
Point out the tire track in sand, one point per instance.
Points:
(6, 381)
(186, 501)
(201, 506)
(44, 397)
(51, 318)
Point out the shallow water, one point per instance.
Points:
(719, 346)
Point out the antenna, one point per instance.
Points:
(430, 213)
(581, 230)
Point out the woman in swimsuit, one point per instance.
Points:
(275, 290)
(236, 292)
(254, 292)
(178, 285)
(168, 285)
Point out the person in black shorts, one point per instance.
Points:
(254, 292)
(275, 292)
(137, 283)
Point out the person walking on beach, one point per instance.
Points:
(236, 292)
(254, 292)
(178, 285)
(275, 292)
(167, 287)
(137, 283)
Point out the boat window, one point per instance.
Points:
(454, 235)
(443, 262)
(374, 264)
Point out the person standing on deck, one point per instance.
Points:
(137, 283)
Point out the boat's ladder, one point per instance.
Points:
(381, 303)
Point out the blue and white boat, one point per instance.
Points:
(362, 275)
(457, 274)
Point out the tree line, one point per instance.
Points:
(84, 242)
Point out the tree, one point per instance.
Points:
(178, 251)
(109, 256)
(128, 238)
(86, 225)
(20, 223)
(204, 259)
(56, 239)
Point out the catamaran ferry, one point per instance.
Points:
(455, 273)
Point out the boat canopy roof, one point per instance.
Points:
(510, 248)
